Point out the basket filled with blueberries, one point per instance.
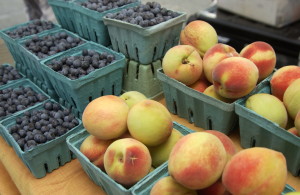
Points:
(18, 96)
(12, 35)
(145, 32)
(88, 16)
(44, 45)
(85, 73)
(38, 136)
(8, 74)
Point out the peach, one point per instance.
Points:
(106, 117)
(215, 55)
(269, 107)
(226, 141)
(94, 149)
(150, 122)
(215, 189)
(199, 34)
(291, 98)
(210, 91)
(200, 85)
(160, 153)
(127, 161)
(297, 122)
(132, 97)
(282, 78)
(197, 160)
(168, 186)
(262, 55)
(183, 63)
(257, 170)
(293, 193)
(235, 77)
(294, 131)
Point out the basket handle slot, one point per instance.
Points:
(102, 92)
(209, 123)
(59, 160)
(154, 53)
(46, 167)
(175, 106)
(137, 53)
(252, 142)
(126, 48)
(96, 37)
(191, 115)
(113, 89)
(152, 69)
(137, 72)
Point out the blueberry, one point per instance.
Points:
(21, 142)
(40, 138)
(16, 136)
(44, 129)
(49, 136)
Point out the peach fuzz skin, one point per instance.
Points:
(214, 55)
(291, 98)
(197, 160)
(127, 161)
(150, 122)
(199, 34)
(200, 85)
(210, 91)
(227, 142)
(282, 78)
(294, 131)
(168, 186)
(215, 189)
(297, 122)
(235, 77)
(257, 170)
(262, 55)
(183, 63)
(106, 117)
(94, 149)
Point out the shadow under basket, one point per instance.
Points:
(257, 131)
(43, 158)
(143, 78)
(144, 45)
(99, 177)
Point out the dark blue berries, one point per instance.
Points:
(8, 73)
(104, 5)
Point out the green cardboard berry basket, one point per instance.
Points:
(44, 158)
(34, 63)
(89, 23)
(256, 130)
(64, 13)
(144, 45)
(99, 177)
(26, 83)
(107, 80)
(145, 187)
(12, 44)
(143, 78)
(12, 81)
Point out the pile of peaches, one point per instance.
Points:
(130, 135)
(217, 69)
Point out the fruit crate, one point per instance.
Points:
(143, 78)
(258, 131)
(39, 83)
(12, 81)
(34, 63)
(64, 13)
(147, 184)
(43, 158)
(101, 178)
(89, 23)
(12, 44)
(198, 108)
(79, 92)
(144, 45)
(26, 83)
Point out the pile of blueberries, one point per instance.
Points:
(78, 66)
(145, 15)
(41, 125)
(51, 44)
(104, 5)
(34, 27)
(8, 73)
(16, 99)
